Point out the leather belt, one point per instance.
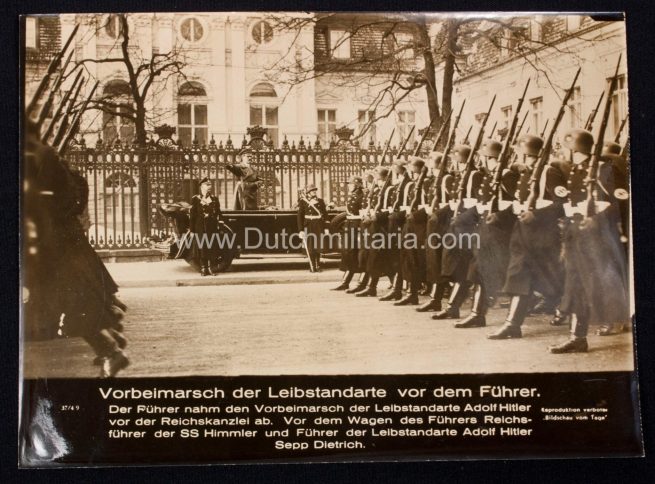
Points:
(312, 217)
(353, 217)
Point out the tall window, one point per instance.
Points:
(575, 108)
(327, 124)
(191, 30)
(192, 114)
(116, 120)
(506, 118)
(340, 44)
(406, 121)
(404, 45)
(363, 120)
(262, 33)
(537, 110)
(31, 33)
(264, 110)
(619, 103)
(113, 27)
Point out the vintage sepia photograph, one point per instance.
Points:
(316, 193)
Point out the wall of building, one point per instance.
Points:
(551, 73)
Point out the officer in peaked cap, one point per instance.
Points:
(351, 232)
(312, 215)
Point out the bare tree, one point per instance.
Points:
(141, 74)
(394, 69)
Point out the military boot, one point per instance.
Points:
(361, 284)
(560, 318)
(396, 291)
(518, 309)
(371, 290)
(477, 317)
(345, 282)
(577, 343)
(411, 298)
(434, 303)
(457, 297)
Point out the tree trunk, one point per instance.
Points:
(430, 75)
(140, 135)
(452, 28)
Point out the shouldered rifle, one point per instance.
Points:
(518, 131)
(617, 138)
(442, 130)
(60, 109)
(45, 81)
(503, 158)
(592, 115)
(592, 174)
(64, 124)
(469, 162)
(493, 130)
(387, 182)
(425, 135)
(386, 147)
(466, 138)
(47, 105)
(548, 145)
(419, 189)
(444, 158)
(543, 131)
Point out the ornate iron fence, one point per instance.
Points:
(127, 184)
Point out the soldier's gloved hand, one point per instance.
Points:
(301, 235)
(527, 217)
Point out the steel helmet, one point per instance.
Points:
(579, 140)
(463, 151)
(491, 147)
(435, 157)
(529, 144)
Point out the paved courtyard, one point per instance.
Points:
(300, 327)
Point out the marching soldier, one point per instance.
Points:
(350, 263)
(455, 261)
(401, 189)
(487, 269)
(312, 214)
(377, 262)
(535, 245)
(245, 195)
(412, 260)
(437, 224)
(596, 283)
(371, 194)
